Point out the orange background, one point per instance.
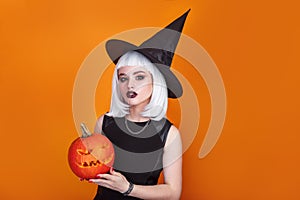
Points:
(254, 44)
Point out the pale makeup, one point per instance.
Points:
(135, 84)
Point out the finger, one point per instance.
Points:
(105, 176)
(114, 173)
(101, 182)
(96, 180)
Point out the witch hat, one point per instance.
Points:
(159, 49)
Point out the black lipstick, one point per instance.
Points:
(131, 94)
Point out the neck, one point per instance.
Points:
(135, 113)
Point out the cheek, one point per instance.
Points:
(147, 90)
(122, 89)
(145, 85)
(149, 87)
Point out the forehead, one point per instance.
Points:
(132, 69)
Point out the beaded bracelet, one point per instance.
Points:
(130, 188)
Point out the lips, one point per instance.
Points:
(131, 94)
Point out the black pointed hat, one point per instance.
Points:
(159, 49)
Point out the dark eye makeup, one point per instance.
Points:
(139, 75)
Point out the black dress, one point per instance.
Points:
(138, 152)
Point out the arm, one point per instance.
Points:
(98, 126)
(171, 189)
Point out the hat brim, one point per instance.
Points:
(116, 48)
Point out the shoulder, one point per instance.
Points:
(99, 123)
(173, 147)
(173, 135)
(100, 119)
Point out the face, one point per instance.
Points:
(135, 84)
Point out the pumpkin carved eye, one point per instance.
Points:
(82, 152)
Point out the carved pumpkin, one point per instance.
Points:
(90, 154)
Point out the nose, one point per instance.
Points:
(130, 84)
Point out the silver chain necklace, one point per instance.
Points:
(135, 132)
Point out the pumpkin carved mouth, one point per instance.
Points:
(93, 163)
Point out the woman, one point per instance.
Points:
(145, 142)
(140, 88)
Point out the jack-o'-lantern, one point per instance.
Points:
(90, 154)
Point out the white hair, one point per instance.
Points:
(157, 107)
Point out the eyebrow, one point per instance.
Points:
(138, 72)
(134, 73)
(122, 74)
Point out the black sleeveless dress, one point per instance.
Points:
(138, 152)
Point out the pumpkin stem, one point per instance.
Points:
(85, 131)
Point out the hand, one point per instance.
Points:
(114, 180)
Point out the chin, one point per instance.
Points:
(132, 103)
(136, 102)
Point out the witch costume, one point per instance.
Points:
(139, 157)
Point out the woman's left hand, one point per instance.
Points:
(114, 180)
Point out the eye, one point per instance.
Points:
(139, 77)
(122, 79)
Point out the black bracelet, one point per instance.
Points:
(130, 188)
